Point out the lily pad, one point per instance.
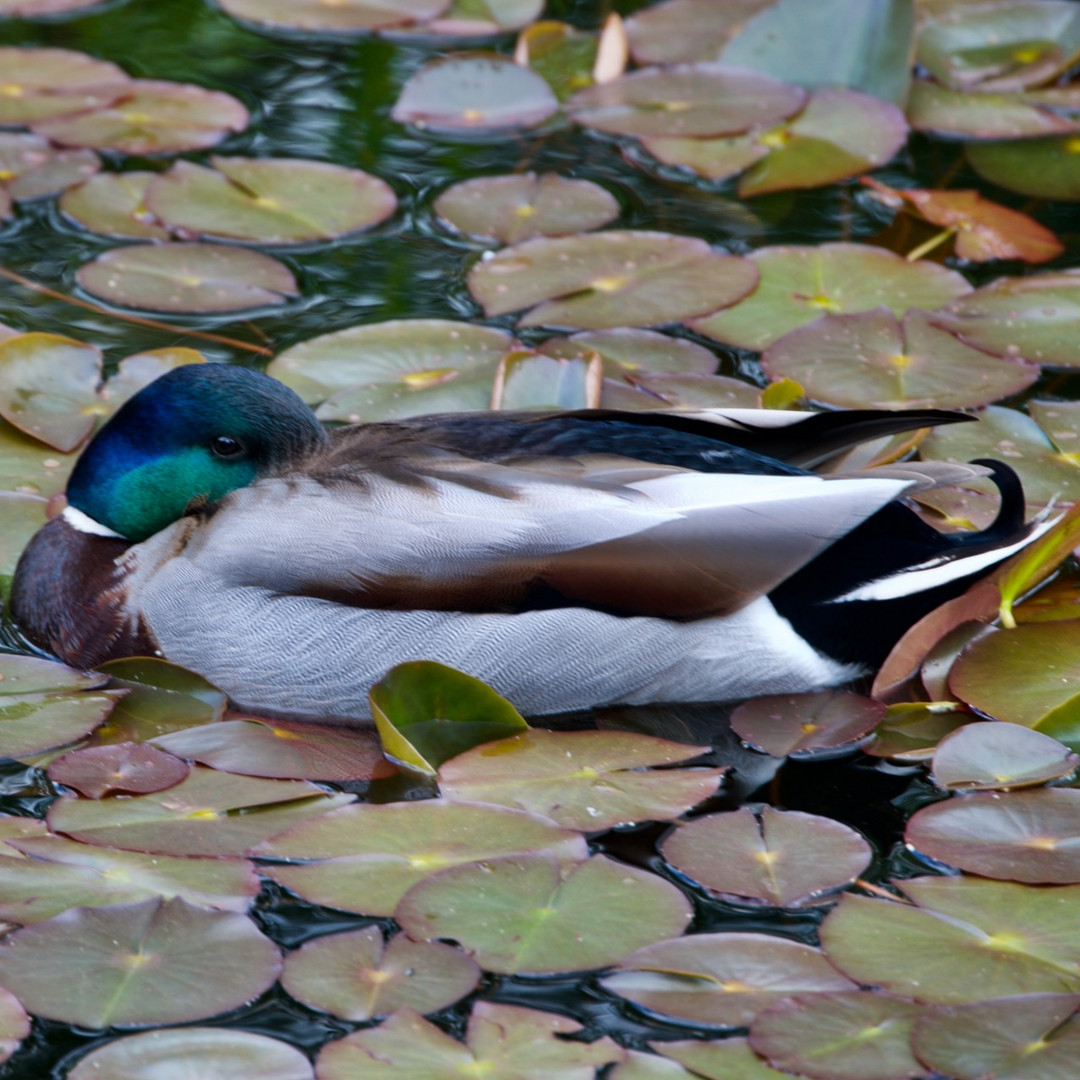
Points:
(530, 380)
(14, 1024)
(727, 1059)
(364, 858)
(964, 939)
(218, 1054)
(1028, 836)
(187, 278)
(582, 779)
(806, 724)
(505, 1041)
(634, 351)
(343, 16)
(874, 360)
(128, 767)
(151, 117)
(41, 83)
(269, 200)
(685, 100)
(521, 914)
(153, 962)
(357, 976)
(141, 369)
(21, 515)
(654, 390)
(801, 284)
(1023, 115)
(468, 18)
(475, 92)
(515, 208)
(29, 467)
(114, 204)
(783, 858)
(851, 1036)
(684, 31)
(569, 59)
(30, 9)
(1045, 168)
(991, 756)
(610, 279)
(196, 817)
(31, 169)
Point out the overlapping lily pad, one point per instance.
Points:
(801, 284)
(784, 858)
(1045, 168)
(187, 278)
(153, 962)
(40, 83)
(14, 1024)
(137, 770)
(524, 914)
(684, 31)
(1022, 115)
(569, 58)
(635, 352)
(726, 1059)
(515, 208)
(657, 390)
(358, 976)
(30, 168)
(609, 279)
(344, 16)
(21, 515)
(874, 360)
(113, 204)
(990, 756)
(722, 980)
(468, 18)
(151, 117)
(806, 724)
(364, 858)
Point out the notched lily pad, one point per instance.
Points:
(804, 725)
(114, 204)
(40, 83)
(992, 756)
(127, 766)
(30, 168)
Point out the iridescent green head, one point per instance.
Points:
(187, 440)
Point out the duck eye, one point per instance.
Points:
(225, 446)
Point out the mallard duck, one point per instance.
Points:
(569, 559)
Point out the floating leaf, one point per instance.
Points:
(988, 756)
(1023, 115)
(635, 352)
(801, 724)
(14, 1024)
(648, 390)
(515, 208)
(520, 914)
(34, 8)
(218, 1054)
(582, 779)
(141, 369)
(30, 168)
(426, 713)
(967, 939)
(1045, 168)
(475, 92)
(366, 857)
(531, 380)
(153, 962)
(34, 675)
(269, 200)
(28, 467)
(18, 828)
(565, 57)
(687, 99)
(151, 117)
(610, 279)
(187, 278)
(800, 284)
(343, 16)
(722, 980)
(199, 816)
(683, 31)
(784, 858)
(727, 1059)
(357, 976)
(873, 360)
(113, 204)
(850, 1036)
(40, 83)
(127, 766)
(21, 515)
(471, 17)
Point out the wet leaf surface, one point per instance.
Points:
(114, 204)
(1045, 168)
(128, 767)
(635, 352)
(990, 756)
(40, 83)
(31, 168)
(802, 724)
(1021, 115)
(21, 515)
(729, 1059)
(531, 380)
(346, 16)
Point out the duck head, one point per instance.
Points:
(187, 440)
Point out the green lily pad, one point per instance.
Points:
(18, 828)
(475, 92)
(404, 353)
(851, 1036)
(649, 390)
(427, 713)
(783, 858)
(366, 857)
(185, 278)
(531, 380)
(801, 284)
(220, 1054)
(269, 200)
(344, 16)
(726, 1059)
(35, 675)
(587, 780)
(517, 207)
(684, 31)
(470, 18)
(151, 117)
(41, 83)
(722, 980)
(153, 962)
(521, 914)
(357, 976)
(1045, 168)
(28, 467)
(1023, 115)
(609, 279)
(48, 387)
(114, 204)
(31, 169)
(873, 360)
(127, 767)
(21, 515)
(505, 1041)
(633, 351)
(199, 816)
(14, 1024)
(639, 1066)
(1036, 1037)
(964, 939)
(1028, 836)
(806, 724)
(685, 100)
(992, 756)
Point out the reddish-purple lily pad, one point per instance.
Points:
(187, 278)
(1023, 115)
(30, 168)
(610, 279)
(151, 117)
(358, 976)
(515, 208)
(475, 92)
(1044, 168)
(41, 83)
(685, 31)
(342, 16)
(991, 756)
(127, 766)
(113, 204)
(806, 724)
(154, 962)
